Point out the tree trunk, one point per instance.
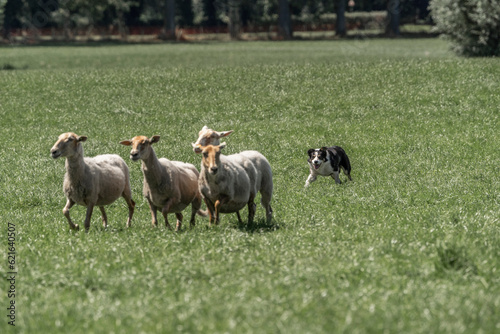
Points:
(234, 19)
(393, 15)
(340, 25)
(210, 13)
(285, 22)
(122, 26)
(169, 19)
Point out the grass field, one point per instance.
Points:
(412, 245)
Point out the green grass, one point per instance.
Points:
(410, 246)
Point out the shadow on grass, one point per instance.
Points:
(259, 226)
(453, 257)
(10, 67)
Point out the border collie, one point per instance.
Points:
(327, 161)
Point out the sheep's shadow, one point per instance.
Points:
(258, 226)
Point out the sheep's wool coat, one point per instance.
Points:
(109, 175)
(240, 178)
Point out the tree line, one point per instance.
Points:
(234, 15)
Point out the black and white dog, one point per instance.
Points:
(327, 161)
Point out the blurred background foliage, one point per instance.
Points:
(473, 26)
(88, 14)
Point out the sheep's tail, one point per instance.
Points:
(203, 213)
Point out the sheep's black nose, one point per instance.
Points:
(54, 153)
(214, 170)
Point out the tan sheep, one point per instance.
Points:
(228, 183)
(90, 182)
(169, 186)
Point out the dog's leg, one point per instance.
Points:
(335, 175)
(348, 174)
(310, 179)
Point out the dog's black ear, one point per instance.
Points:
(310, 151)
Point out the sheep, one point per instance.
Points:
(209, 137)
(90, 182)
(228, 183)
(169, 186)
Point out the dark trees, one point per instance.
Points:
(340, 26)
(285, 21)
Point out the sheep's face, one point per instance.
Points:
(141, 146)
(67, 145)
(211, 158)
(208, 137)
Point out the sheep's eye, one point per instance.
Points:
(205, 155)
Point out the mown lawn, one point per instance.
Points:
(412, 245)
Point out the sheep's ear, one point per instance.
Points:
(196, 148)
(126, 142)
(154, 139)
(202, 129)
(81, 138)
(221, 146)
(225, 133)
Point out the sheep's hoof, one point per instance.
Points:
(77, 227)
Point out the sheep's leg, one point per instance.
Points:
(218, 203)
(153, 210)
(216, 213)
(165, 210)
(104, 217)
(195, 208)
(239, 217)
(252, 208)
(265, 201)
(179, 221)
(90, 208)
(131, 206)
(69, 205)
(269, 213)
(210, 209)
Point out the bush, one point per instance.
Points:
(473, 26)
(359, 20)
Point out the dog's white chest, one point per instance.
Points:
(324, 169)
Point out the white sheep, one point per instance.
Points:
(92, 182)
(169, 186)
(208, 136)
(228, 183)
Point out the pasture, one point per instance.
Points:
(412, 245)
